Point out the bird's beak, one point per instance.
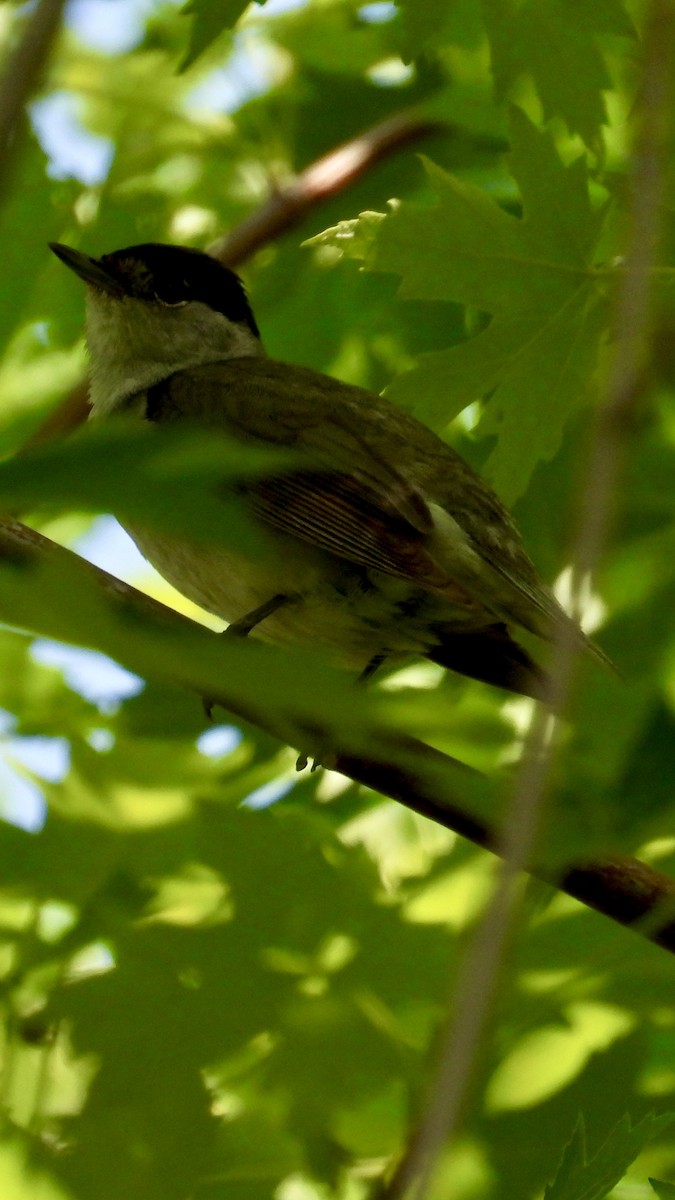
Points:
(89, 269)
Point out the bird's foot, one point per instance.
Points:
(303, 760)
(314, 762)
(244, 626)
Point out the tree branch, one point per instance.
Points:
(402, 768)
(22, 73)
(323, 179)
(618, 886)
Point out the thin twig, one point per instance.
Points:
(477, 988)
(22, 73)
(288, 206)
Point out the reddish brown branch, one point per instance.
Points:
(619, 886)
(329, 175)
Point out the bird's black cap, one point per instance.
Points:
(170, 275)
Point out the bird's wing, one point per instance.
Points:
(364, 434)
(349, 500)
(254, 399)
(336, 513)
(356, 504)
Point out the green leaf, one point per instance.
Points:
(664, 1191)
(572, 1164)
(581, 1178)
(427, 24)
(556, 42)
(534, 275)
(29, 217)
(209, 20)
(292, 695)
(544, 1061)
(352, 238)
(177, 480)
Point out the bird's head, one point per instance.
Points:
(154, 309)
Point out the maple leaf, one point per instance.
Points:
(535, 276)
(580, 1177)
(558, 43)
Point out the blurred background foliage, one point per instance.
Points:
(220, 980)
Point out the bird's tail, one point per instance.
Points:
(490, 655)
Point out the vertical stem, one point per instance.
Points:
(625, 390)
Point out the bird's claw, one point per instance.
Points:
(303, 760)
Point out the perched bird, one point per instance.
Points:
(384, 546)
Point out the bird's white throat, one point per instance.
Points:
(134, 344)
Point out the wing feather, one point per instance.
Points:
(352, 501)
(359, 507)
(345, 518)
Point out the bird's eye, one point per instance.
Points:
(170, 303)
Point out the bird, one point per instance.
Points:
(382, 543)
